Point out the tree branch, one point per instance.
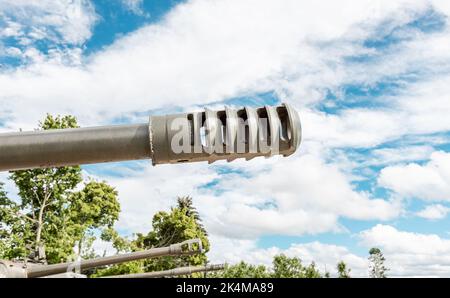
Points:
(17, 213)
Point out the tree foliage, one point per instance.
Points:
(282, 267)
(50, 212)
(180, 224)
(186, 203)
(343, 270)
(285, 267)
(242, 270)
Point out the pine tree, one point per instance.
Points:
(185, 203)
(179, 224)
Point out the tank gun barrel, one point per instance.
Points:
(172, 272)
(199, 136)
(11, 269)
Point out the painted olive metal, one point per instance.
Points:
(172, 272)
(203, 136)
(10, 269)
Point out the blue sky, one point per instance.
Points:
(369, 79)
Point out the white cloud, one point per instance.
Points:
(62, 26)
(352, 128)
(206, 51)
(291, 186)
(428, 182)
(103, 248)
(152, 189)
(325, 256)
(170, 63)
(61, 21)
(410, 254)
(10, 28)
(351, 160)
(279, 196)
(226, 250)
(433, 212)
(407, 254)
(134, 6)
(442, 5)
(401, 154)
(421, 108)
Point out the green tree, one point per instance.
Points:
(285, 267)
(311, 271)
(282, 267)
(94, 208)
(376, 263)
(15, 228)
(180, 224)
(121, 244)
(343, 271)
(187, 204)
(51, 213)
(242, 270)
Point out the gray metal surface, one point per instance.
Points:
(74, 146)
(200, 136)
(10, 269)
(66, 275)
(172, 272)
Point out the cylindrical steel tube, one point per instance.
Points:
(9, 269)
(39, 271)
(183, 248)
(171, 272)
(64, 147)
(189, 137)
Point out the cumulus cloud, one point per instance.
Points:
(292, 183)
(206, 51)
(408, 253)
(277, 197)
(135, 6)
(148, 190)
(420, 109)
(430, 181)
(433, 212)
(326, 256)
(385, 156)
(59, 21)
(44, 32)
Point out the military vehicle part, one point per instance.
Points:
(24, 269)
(172, 272)
(199, 136)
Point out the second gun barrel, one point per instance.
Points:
(46, 270)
